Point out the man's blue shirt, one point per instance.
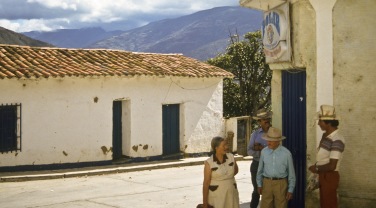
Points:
(256, 137)
(276, 163)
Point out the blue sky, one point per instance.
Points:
(47, 15)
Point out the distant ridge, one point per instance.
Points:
(201, 35)
(73, 38)
(12, 38)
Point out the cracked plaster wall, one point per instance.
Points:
(68, 120)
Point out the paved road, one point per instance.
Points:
(175, 187)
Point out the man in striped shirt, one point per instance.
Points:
(329, 156)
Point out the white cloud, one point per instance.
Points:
(29, 25)
(25, 15)
(10, 25)
(67, 4)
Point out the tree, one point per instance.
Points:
(250, 89)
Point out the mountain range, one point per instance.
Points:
(201, 35)
(73, 38)
(13, 38)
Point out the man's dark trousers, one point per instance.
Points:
(255, 195)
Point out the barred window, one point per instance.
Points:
(10, 127)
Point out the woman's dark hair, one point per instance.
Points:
(333, 123)
(215, 142)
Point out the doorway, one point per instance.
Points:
(117, 133)
(171, 129)
(294, 128)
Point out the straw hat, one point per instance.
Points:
(327, 112)
(273, 134)
(262, 114)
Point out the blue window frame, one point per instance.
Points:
(10, 128)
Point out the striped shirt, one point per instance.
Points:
(331, 147)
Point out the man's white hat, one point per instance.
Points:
(273, 134)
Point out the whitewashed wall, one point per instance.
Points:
(62, 122)
(355, 98)
(352, 89)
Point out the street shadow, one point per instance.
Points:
(245, 205)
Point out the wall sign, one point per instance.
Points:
(276, 34)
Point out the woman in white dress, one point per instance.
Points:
(219, 187)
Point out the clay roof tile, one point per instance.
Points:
(28, 62)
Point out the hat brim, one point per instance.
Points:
(318, 116)
(267, 115)
(273, 139)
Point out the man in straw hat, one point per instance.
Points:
(329, 156)
(256, 144)
(275, 174)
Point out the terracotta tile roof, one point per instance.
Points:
(29, 62)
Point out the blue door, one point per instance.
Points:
(294, 128)
(116, 130)
(171, 131)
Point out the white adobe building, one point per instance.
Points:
(67, 106)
